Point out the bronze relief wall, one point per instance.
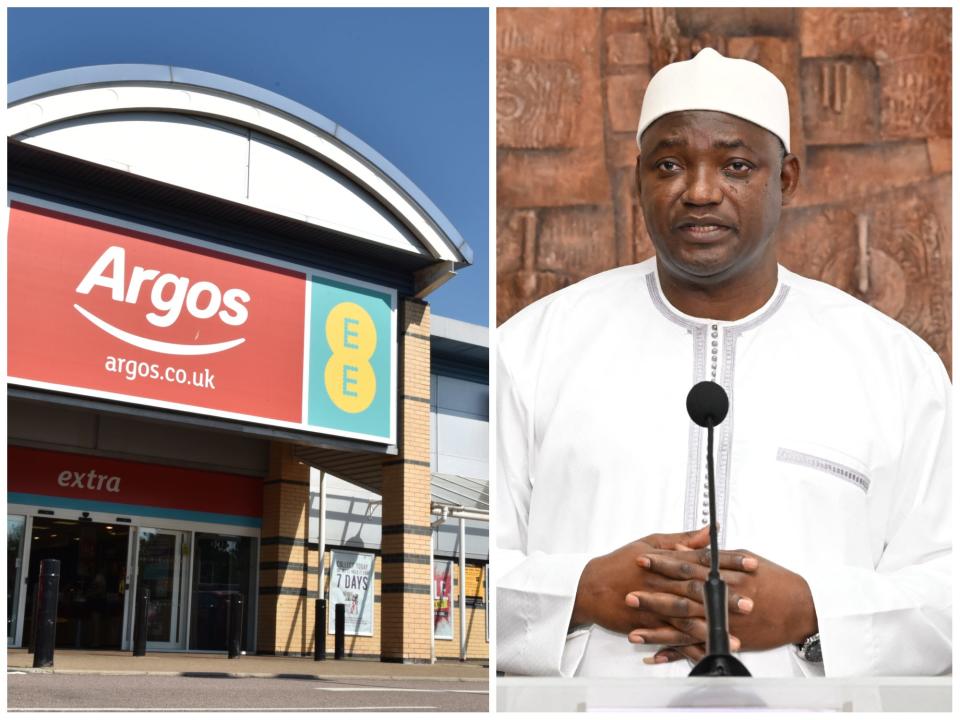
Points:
(870, 95)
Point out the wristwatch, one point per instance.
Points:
(809, 649)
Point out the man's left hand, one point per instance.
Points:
(781, 611)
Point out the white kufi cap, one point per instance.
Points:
(711, 81)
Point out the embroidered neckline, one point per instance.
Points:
(748, 322)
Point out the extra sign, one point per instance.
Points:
(121, 487)
(110, 311)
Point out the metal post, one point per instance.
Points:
(235, 625)
(340, 626)
(463, 590)
(320, 611)
(140, 621)
(321, 521)
(320, 630)
(46, 632)
(433, 609)
(434, 525)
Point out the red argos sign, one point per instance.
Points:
(122, 314)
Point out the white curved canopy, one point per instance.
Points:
(234, 141)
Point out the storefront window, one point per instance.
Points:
(221, 569)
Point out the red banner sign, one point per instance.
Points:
(99, 479)
(127, 314)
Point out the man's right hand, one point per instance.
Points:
(606, 581)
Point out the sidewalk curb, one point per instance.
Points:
(237, 675)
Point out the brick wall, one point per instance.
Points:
(288, 577)
(405, 586)
(870, 94)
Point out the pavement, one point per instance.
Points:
(122, 662)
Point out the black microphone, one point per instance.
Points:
(707, 405)
(707, 402)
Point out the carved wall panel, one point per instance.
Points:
(532, 96)
(840, 100)
(870, 92)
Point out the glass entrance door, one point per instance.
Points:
(15, 526)
(159, 571)
(93, 560)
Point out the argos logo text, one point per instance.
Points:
(169, 294)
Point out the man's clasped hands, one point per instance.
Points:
(651, 590)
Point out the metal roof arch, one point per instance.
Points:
(64, 96)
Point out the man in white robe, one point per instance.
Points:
(832, 466)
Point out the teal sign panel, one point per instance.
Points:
(349, 382)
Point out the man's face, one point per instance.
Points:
(711, 188)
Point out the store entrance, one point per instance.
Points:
(93, 569)
(160, 574)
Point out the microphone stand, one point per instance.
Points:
(718, 660)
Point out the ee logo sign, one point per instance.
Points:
(350, 360)
(348, 376)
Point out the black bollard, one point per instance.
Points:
(235, 625)
(46, 632)
(339, 626)
(140, 622)
(320, 630)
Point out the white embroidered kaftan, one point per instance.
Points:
(833, 462)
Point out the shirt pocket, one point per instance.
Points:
(828, 492)
(828, 461)
(804, 505)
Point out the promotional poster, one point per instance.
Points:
(351, 583)
(442, 600)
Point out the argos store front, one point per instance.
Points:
(187, 536)
(213, 293)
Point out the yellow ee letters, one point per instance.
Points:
(348, 375)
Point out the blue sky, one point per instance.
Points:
(411, 83)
